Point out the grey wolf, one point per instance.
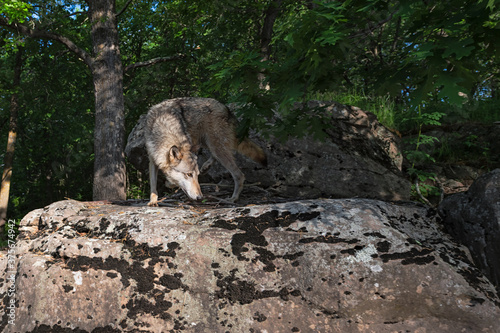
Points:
(177, 128)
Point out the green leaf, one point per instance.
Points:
(449, 89)
(423, 51)
(15, 10)
(460, 47)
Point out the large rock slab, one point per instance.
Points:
(473, 218)
(307, 266)
(359, 158)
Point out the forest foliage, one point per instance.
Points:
(418, 56)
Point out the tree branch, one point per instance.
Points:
(371, 28)
(76, 13)
(35, 33)
(124, 8)
(154, 61)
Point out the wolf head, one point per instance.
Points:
(183, 171)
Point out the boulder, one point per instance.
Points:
(473, 218)
(360, 158)
(352, 265)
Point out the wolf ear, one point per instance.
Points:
(174, 154)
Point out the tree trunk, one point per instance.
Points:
(9, 154)
(266, 37)
(109, 135)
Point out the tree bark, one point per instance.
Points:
(11, 143)
(266, 35)
(109, 133)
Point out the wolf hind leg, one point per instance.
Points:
(225, 156)
(238, 177)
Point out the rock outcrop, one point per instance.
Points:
(353, 265)
(360, 158)
(464, 151)
(473, 218)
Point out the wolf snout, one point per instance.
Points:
(197, 197)
(194, 193)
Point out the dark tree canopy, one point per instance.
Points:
(90, 68)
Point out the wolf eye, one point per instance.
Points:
(189, 175)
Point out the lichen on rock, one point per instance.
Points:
(353, 265)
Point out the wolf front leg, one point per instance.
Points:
(153, 178)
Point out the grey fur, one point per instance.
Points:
(177, 128)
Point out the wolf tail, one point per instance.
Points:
(253, 151)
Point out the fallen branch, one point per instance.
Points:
(441, 188)
(221, 200)
(424, 199)
(228, 185)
